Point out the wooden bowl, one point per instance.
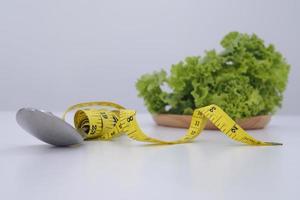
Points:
(183, 121)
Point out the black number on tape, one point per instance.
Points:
(129, 119)
(234, 128)
(212, 109)
(115, 119)
(93, 129)
(104, 115)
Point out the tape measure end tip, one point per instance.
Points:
(274, 143)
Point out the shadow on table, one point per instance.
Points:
(36, 149)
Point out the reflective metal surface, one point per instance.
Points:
(47, 127)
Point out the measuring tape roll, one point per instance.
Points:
(106, 124)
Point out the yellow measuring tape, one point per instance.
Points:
(106, 124)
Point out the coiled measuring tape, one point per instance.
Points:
(105, 124)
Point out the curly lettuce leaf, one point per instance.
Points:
(247, 78)
(149, 87)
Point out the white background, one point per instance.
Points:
(54, 53)
(60, 52)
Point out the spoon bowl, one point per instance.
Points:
(48, 128)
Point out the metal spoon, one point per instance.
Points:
(48, 128)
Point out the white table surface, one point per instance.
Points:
(212, 167)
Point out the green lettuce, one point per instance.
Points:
(247, 78)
